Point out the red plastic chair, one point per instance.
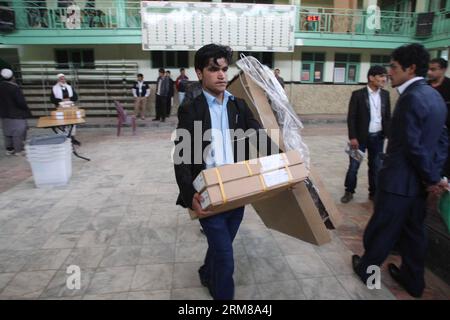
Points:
(123, 118)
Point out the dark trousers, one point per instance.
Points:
(161, 107)
(218, 268)
(374, 146)
(397, 220)
(169, 106)
(15, 133)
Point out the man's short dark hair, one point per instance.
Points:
(410, 54)
(214, 51)
(376, 71)
(161, 70)
(168, 71)
(140, 75)
(443, 64)
(181, 69)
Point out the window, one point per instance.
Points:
(265, 58)
(312, 67)
(170, 59)
(346, 67)
(379, 59)
(76, 58)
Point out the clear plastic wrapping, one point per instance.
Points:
(288, 121)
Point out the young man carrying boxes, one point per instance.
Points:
(216, 112)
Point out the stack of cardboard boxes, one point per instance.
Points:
(234, 185)
(67, 113)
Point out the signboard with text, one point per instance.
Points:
(243, 27)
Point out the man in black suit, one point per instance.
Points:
(368, 119)
(170, 94)
(216, 109)
(411, 171)
(438, 80)
(162, 91)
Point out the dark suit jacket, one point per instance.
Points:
(239, 117)
(417, 147)
(13, 104)
(358, 117)
(164, 86)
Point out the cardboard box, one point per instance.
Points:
(294, 211)
(67, 113)
(232, 194)
(244, 169)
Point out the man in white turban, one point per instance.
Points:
(62, 91)
(14, 112)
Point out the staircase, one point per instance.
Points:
(97, 87)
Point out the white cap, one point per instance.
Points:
(59, 75)
(7, 74)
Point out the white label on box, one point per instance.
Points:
(272, 162)
(199, 183)
(275, 177)
(206, 201)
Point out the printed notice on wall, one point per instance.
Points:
(242, 26)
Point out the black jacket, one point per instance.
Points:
(171, 88)
(13, 104)
(358, 117)
(239, 117)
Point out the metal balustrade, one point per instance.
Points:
(330, 20)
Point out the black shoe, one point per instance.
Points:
(394, 271)
(347, 197)
(204, 281)
(156, 119)
(356, 260)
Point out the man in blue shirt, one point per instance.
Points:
(217, 112)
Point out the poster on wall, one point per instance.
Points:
(242, 26)
(339, 75)
(305, 75)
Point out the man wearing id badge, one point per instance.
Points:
(368, 119)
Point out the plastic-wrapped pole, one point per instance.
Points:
(288, 120)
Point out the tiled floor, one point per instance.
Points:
(118, 222)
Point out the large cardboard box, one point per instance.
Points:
(220, 196)
(300, 216)
(243, 169)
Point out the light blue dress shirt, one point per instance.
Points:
(221, 151)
